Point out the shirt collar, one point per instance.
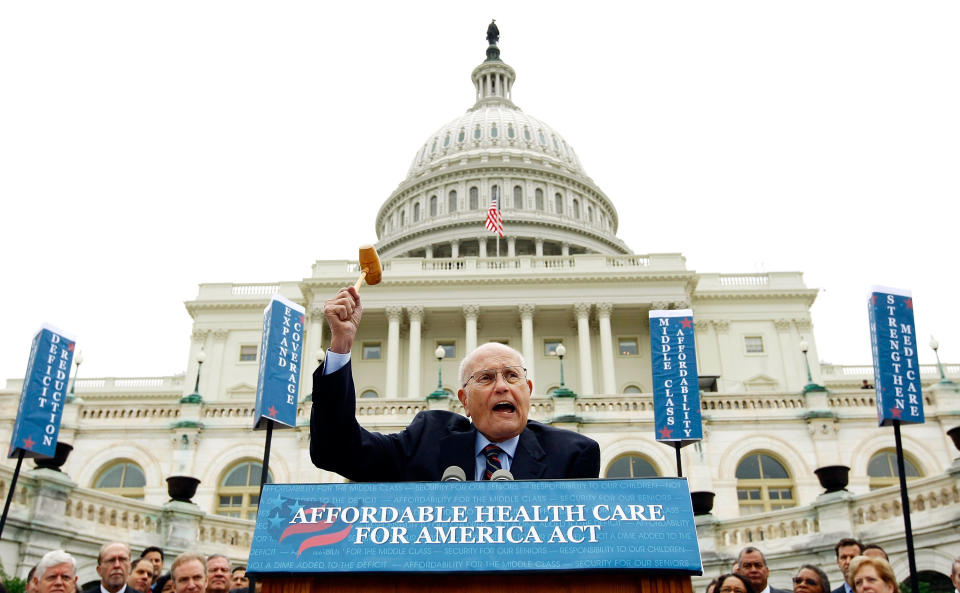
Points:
(509, 446)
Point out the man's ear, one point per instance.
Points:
(462, 396)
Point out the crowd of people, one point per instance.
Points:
(119, 573)
(865, 568)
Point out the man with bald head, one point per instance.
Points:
(495, 393)
(113, 566)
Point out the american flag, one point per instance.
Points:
(494, 222)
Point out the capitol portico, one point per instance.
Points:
(560, 276)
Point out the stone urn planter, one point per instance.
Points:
(833, 478)
(954, 434)
(702, 502)
(182, 488)
(58, 459)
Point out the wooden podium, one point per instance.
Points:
(592, 581)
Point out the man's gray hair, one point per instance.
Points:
(104, 547)
(53, 558)
(956, 567)
(464, 375)
(750, 550)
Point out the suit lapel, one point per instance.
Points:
(528, 461)
(456, 448)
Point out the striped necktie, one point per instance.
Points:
(492, 453)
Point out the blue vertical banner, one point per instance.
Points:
(44, 392)
(281, 356)
(896, 368)
(676, 392)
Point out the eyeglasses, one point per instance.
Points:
(806, 581)
(487, 377)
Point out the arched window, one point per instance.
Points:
(446, 140)
(632, 389)
(123, 478)
(558, 203)
(590, 213)
(763, 484)
(882, 469)
(495, 194)
(474, 198)
(238, 492)
(576, 208)
(369, 393)
(433, 205)
(403, 218)
(452, 201)
(510, 133)
(631, 465)
(461, 136)
(416, 212)
(493, 130)
(538, 198)
(518, 197)
(477, 134)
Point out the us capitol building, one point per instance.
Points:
(559, 281)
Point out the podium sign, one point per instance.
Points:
(476, 527)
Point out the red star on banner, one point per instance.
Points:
(28, 443)
(301, 320)
(895, 412)
(909, 303)
(873, 300)
(686, 322)
(665, 432)
(272, 411)
(71, 346)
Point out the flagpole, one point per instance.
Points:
(676, 444)
(13, 487)
(905, 505)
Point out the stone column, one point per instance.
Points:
(526, 333)
(511, 246)
(429, 250)
(538, 244)
(454, 249)
(483, 247)
(790, 356)
(583, 333)
(721, 329)
(606, 348)
(213, 372)
(415, 314)
(564, 249)
(394, 312)
(470, 314)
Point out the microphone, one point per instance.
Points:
(501, 475)
(454, 474)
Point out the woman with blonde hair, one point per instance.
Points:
(872, 575)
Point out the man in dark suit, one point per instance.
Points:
(495, 393)
(752, 565)
(846, 549)
(113, 566)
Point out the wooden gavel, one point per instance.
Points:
(370, 269)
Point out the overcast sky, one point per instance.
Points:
(143, 146)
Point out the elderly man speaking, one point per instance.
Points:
(495, 393)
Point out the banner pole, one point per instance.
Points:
(676, 445)
(13, 487)
(266, 456)
(905, 504)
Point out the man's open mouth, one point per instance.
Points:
(504, 407)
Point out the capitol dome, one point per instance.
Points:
(496, 151)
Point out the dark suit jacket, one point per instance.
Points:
(95, 588)
(434, 441)
(840, 589)
(775, 590)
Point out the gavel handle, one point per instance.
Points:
(360, 280)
